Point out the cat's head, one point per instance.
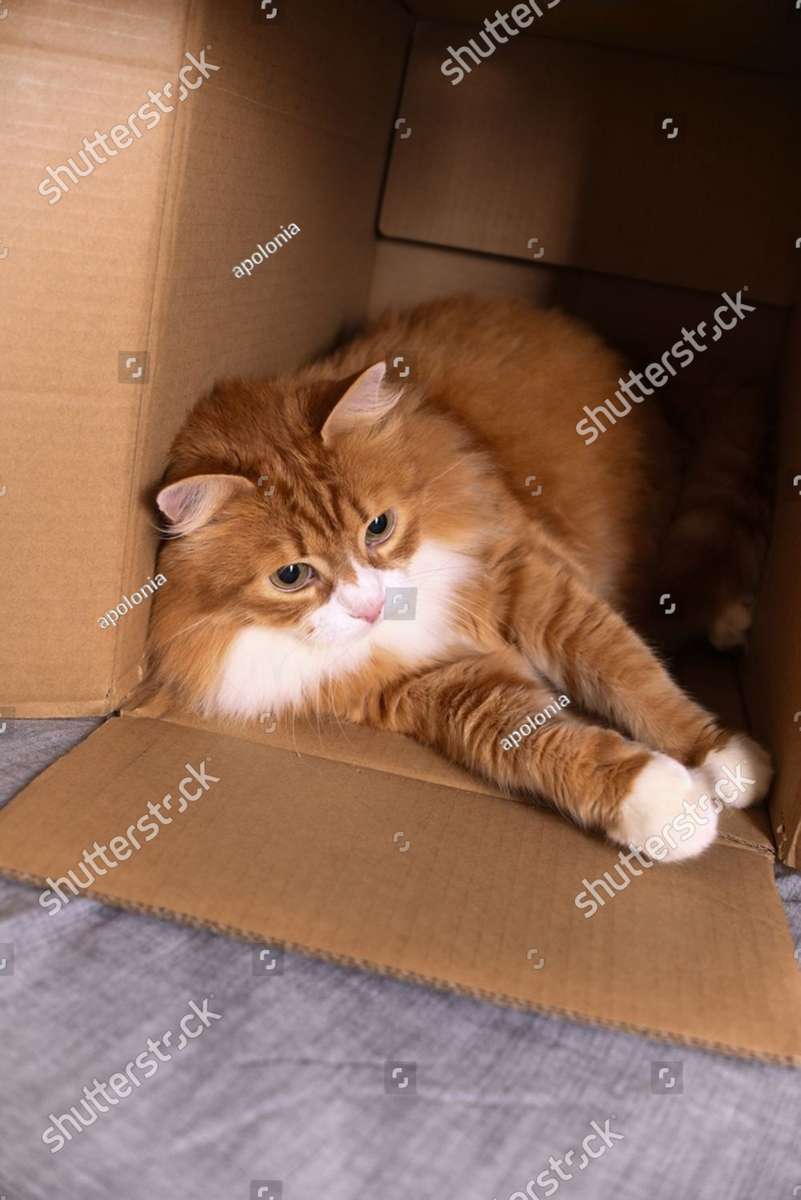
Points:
(308, 524)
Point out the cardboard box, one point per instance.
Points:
(645, 166)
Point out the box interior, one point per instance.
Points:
(545, 174)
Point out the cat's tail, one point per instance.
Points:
(715, 545)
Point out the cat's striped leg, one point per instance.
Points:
(492, 714)
(581, 643)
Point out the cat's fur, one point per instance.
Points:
(526, 549)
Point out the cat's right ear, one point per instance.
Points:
(367, 400)
(190, 503)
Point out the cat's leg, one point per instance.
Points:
(581, 643)
(470, 709)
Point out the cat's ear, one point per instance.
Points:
(367, 400)
(191, 502)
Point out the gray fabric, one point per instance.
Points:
(290, 1084)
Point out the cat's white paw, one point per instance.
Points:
(739, 773)
(655, 807)
(731, 625)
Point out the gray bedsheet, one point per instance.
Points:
(337, 1084)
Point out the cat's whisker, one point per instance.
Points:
(476, 617)
(427, 571)
(424, 574)
(452, 467)
(317, 711)
(188, 628)
(333, 711)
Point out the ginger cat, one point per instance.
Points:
(299, 505)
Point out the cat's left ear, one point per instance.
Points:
(190, 503)
(367, 400)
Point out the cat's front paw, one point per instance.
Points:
(668, 803)
(739, 773)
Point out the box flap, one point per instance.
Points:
(395, 754)
(556, 151)
(711, 678)
(436, 884)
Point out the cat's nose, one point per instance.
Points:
(367, 610)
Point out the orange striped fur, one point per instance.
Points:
(523, 548)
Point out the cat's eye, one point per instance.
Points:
(292, 577)
(380, 528)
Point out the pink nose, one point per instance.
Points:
(366, 610)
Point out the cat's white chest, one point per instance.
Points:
(267, 670)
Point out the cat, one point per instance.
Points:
(434, 551)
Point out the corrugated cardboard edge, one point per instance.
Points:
(441, 985)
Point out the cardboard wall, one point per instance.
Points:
(540, 150)
(639, 317)
(760, 34)
(77, 290)
(138, 256)
(773, 664)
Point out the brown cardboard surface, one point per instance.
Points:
(712, 680)
(314, 854)
(758, 34)
(773, 664)
(544, 140)
(77, 286)
(138, 256)
(625, 311)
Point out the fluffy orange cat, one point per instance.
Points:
(437, 555)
